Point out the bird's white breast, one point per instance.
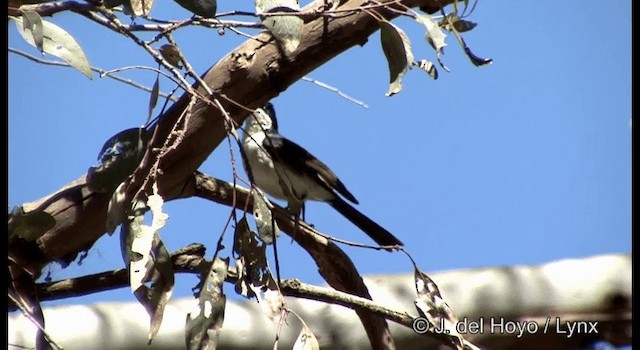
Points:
(266, 178)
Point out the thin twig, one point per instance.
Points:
(100, 71)
(336, 90)
(121, 69)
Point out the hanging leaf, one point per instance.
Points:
(141, 7)
(57, 42)
(434, 36)
(202, 8)
(171, 54)
(286, 29)
(397, 49)
(428, 67)
(29, 226)
(203, 325)
(119, 157)
(306, 339)
(452, 22)
(267, 227)
(33, 22)
(477, 61)
(153, 98)
(253, 270)
(432, 306)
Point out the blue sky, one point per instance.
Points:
(522, 162)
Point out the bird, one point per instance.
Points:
(285, 170)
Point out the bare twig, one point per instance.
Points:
(100, 71)
(336, 90)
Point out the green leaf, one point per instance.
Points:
(203, 8)
(119, 157)
(203, 325)
(57, 42)
(33, 22)
(29, 226)
(397, 49)
(267, 227)
(286, 29)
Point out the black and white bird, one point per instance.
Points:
(284, 170)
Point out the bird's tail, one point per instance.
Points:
(378, 233)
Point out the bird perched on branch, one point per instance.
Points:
(285, 170)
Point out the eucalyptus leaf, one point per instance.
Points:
(203, 325)
(397, 49)
(33, 22)
(432, 306)
(153, 98)
(267, 227)
(57, 42)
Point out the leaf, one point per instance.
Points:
(33, 22)
(138, 240)
(203, 8)
(29, 226)
(253, 271)
(115, 209)
(428, 67)
(203, 325)
(306, 340)
(452, 22)
(267, 227)
(162, 285)
(432, 306)
(57, 42)
(172, 54)
(477, 61)
(119, 157)
(153, 99)
(286, 29)
(141, 7)
(434, 36)
(397, 49)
